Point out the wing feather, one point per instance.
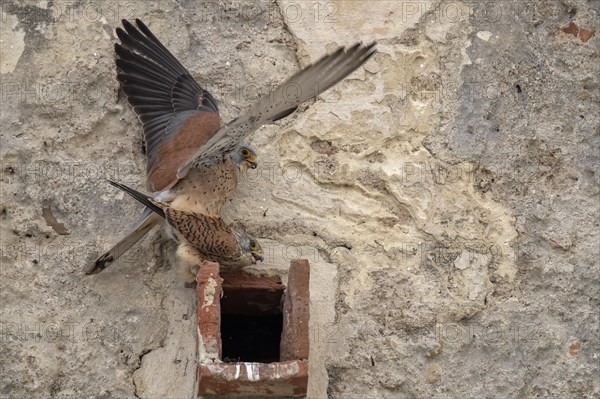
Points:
(165, 96)
(304, 85)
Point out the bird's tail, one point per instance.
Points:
(140, 228)
(143, 198)
(149, 219)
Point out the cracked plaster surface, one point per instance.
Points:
(446, 195)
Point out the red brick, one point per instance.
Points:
(294, 338)
(209, 311)
(279, 379)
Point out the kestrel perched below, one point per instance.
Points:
(203, 237)
(193, 161)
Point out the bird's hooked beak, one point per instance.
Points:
(251, 163)
(258, 257)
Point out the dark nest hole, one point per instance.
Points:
(251, 324)
(251, 338)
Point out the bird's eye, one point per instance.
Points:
(252, 244)
(245, 152)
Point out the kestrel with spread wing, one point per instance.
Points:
(202, 237)
(193, 161)
(178, 116)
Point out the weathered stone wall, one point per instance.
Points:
(446, 195)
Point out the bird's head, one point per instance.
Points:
(250, 245)
(246, 156)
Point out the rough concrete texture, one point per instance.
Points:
(446, 196)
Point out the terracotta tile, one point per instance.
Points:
(294, 338)
(209, 311)
(279, 379)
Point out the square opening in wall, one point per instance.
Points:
(251, 318)
(253, 333)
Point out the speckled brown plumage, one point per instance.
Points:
(206, 189)
(211, 237)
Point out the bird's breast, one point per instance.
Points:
(205, 189)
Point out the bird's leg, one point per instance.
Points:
(190, 263)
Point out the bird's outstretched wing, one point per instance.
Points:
(306, 84)
(178, 115)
